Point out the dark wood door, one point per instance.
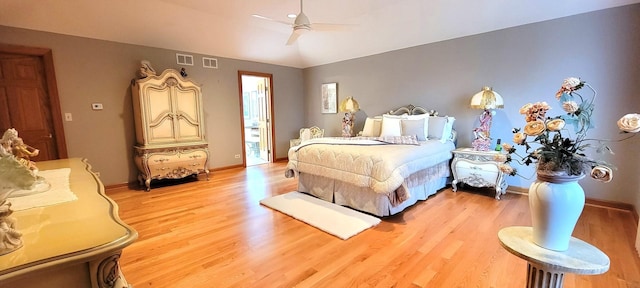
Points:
(25, 103)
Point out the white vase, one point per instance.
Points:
(556, 203)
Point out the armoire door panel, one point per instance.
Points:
(158, 103)
(162, 131)
(187, 104)
(188, 131)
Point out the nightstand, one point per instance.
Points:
(477, 169)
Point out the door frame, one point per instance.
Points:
(46, 55)
(270, 109)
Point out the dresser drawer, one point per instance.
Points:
(468, 175)
(487, 166)
(177, 164)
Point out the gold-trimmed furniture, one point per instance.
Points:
(70, 244)
(306, 134)
(169, 121)
(477, 169)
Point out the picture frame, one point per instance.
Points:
(329, 99)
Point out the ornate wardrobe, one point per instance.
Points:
(169, 124)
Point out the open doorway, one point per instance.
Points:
(256, 108)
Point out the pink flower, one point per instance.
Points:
(570, 106)
(555, 125)
(602, 173)
(519, 138)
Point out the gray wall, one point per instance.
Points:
(91, 71)
(524, 64)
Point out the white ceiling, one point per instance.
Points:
(225, 28)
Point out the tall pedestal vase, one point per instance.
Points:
(556, 202)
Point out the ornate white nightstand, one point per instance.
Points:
(477, 169)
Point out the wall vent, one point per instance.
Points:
(184, 59)
(209, 62)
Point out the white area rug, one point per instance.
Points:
(331, 218)
(59, 191)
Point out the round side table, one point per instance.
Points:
(546, 267)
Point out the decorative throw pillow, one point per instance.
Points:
(440, 128)
(372, 127)
(425, 118)
(391, 125)
(413, 127)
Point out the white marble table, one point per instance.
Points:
(546, 267)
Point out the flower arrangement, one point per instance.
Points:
(552, 147)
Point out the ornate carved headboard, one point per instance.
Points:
(413, 110)
(418, 110)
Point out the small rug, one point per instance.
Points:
(57, 192)
(331, 218)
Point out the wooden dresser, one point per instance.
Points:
(169, 125)
(70, 244)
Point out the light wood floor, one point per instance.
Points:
(215, 234)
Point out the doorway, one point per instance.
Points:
(257, 117)
(29, 100)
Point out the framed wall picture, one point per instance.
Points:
(330, 98)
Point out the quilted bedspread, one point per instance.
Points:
(366, 163)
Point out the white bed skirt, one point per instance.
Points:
(420, 185)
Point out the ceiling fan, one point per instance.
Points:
(302, 24)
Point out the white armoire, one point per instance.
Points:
(169, 124)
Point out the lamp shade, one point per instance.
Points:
(349, 105)
(487, 99)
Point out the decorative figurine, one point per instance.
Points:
(481, 134)
(17, 172)
(183, 72)
(146, 70)
(24, 152)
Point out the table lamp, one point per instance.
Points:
(487, 99)
(350, 107)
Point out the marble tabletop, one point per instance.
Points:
(580, 258)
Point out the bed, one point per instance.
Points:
(399, 158)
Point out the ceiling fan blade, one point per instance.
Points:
(294, 36)
(331, 27)
(270, 19)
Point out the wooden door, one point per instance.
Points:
(26, 103)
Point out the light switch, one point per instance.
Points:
(96, 106)
(67, 117)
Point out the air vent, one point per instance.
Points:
(209, 62)
(184, 59)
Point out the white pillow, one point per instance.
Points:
(372, 127)
(391, 125)
(440, 128)
(424, 117)
(413, 128)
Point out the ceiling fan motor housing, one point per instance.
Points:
(302, 22)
